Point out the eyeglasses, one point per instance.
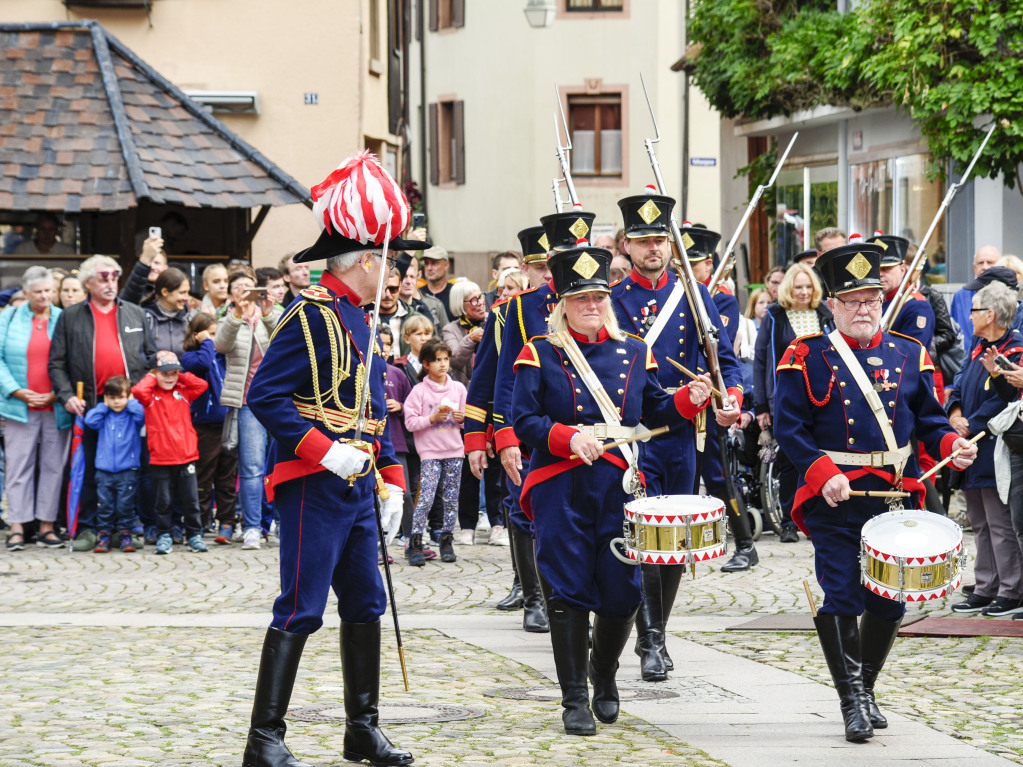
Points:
(979, 309)
(474, 300)
(107, 276)
(872, 303)
(392, 289)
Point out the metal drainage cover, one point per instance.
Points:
(397, 713)
(554, 693)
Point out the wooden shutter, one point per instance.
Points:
(434, 16)
(458, 139)
(434, 154)
(458, 13)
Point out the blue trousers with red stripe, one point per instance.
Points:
(329, 541)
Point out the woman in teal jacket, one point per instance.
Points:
(37, 434)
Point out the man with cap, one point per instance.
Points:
(479, 437)
(808, 257)
(847, 407)
(1004, 275)
(331, 454)
(916, 317)
(436, 264)
(585, 374)
(651, 303)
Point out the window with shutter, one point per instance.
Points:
(447, 142)
(596, 125)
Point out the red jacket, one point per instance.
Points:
(169, 431)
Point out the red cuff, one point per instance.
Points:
(685, 406)
(946, 444)
(559, 441)
(393, 475)
(313, 446)
(820, 472)
(475, 440)
(737, 393)
(505, 438)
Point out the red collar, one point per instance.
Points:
(643, 282)
(889, 296)
(334, 285)
(854, 344)
(551, 286)
(601, 336)
(1000, 344)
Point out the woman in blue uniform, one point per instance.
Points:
(586, 372)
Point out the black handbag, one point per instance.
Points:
(1013, 436)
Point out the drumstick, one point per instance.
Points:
(879, 493)
(635, 438)
(693, 375)
(809, 596)
(930, 473)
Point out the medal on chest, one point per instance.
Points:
(649, 313)
(881, 382)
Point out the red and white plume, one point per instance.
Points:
(357, 199)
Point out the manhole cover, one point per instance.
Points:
(396, 713)
(554, 693)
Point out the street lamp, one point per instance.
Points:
(540, 13)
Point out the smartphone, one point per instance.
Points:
(1002, 361)
(255, 294)
(418, 220)
(155, 231)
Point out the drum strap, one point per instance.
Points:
(876, 406)
(665, 314)
(607, 408)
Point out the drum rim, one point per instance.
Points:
(935, 521)
(672, 520)
(914, 595)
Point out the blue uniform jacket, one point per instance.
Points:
(526, 318)
(916, 318)
(479, 402)
(728, 308)
(283, 397)
(819, 407)
(981, 397)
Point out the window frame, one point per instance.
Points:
(567, 13)
(599, 88)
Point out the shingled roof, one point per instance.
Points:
(88, 126)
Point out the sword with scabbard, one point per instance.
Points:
(359, 443)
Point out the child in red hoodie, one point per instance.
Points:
(167, 393)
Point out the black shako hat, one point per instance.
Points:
(533, 240)
(332, 243)
(850, 267)
(893, 249)
(580, 269)
(564, 230)
(647, 214)
(700, 243)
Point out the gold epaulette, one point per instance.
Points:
(903, 335)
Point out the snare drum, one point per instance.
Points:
(672, 530)
(911, 556)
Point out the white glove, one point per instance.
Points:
(344, 460)
(391, 511)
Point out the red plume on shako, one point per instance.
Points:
(357, 199)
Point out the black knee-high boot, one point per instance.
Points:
(514, 599)
(534, 611)
(650, 625)
(671, 577)
(840, 640)
(876, 640)
(569, 640)
(278, 666)
(609, 638)
(360, 665)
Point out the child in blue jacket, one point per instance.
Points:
(119, 420)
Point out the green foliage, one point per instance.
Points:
(955, 66)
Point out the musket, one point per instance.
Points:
(912, 275)
(727, 262)
(563, 150)
(556, 188)
(709, 335)
(364, 415)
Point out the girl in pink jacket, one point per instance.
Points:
(434, 413)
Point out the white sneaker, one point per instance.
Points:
(465, 537)
(498, 536)
(251, 539)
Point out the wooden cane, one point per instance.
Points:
(931, 472)
(636, 438)
(694, 376)
(80, 390)
(879, 493)
(809, 597)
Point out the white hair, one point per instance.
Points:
(33, 275)
(93, 264)
(460, 291)
(346, 261)
(558, 321)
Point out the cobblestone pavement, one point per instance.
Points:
(156, 684)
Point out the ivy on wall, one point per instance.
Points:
(953, 65)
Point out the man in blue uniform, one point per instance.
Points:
(651, 303)
(916, 318)
(308, 393)
(847, 406)
(479, 434)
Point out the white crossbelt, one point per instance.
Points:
(874, 460)
(664, 314)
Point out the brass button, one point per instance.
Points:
(891, 404)
(891, 345)
(635, 319)
(621, 391)
(841, 383)
(579, 408)
(847, 402)
(889, 421)
(625, 362)
(621, 375)
(574, 375)
(851, 440)
(578, 391)
(851, 421)
(681, 327)
(834, 367)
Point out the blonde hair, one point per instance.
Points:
(415, 323)
(516, 275)
(1014, 263)
(788, 283)
(751, 302)
(559, 322)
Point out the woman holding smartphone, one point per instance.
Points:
(242, 337)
